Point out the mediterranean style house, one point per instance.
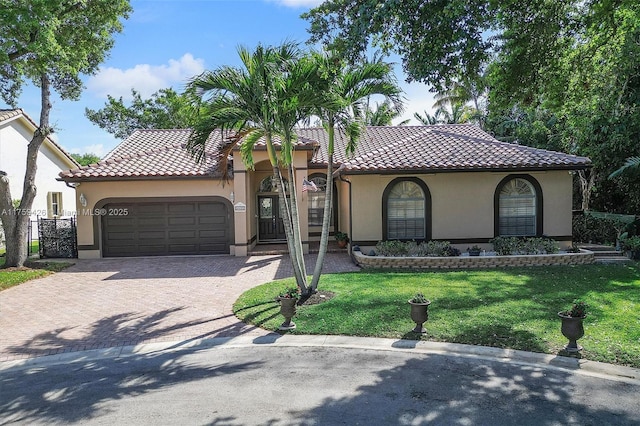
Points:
(53, 198)
(446, 182)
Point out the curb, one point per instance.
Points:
(555, 362)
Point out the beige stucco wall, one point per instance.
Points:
(462, 203)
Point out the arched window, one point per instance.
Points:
(268, 184)
(519, 207)
(316, 199)
(406, 210)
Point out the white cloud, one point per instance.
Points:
(298, 3)
(146, 79)
(97, 149)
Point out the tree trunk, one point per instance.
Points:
(297, 235)
(326, 219)
(295, 254)
(587, 182)
(16, 221)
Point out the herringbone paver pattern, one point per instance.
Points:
(118, 302)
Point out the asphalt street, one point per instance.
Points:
(309, 382)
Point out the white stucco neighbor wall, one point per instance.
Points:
(15, 135)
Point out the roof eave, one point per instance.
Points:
(348, 171)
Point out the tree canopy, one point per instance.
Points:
(559, 74)
(50, 44)
(165, 109)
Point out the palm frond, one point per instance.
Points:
(631, 163)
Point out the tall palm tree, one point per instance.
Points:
(343, 107)
(257, 101)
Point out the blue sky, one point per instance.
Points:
(165, 42)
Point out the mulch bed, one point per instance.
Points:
(318, 297)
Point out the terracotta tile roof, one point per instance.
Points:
(151, 154)
(393, 149)
(443, 148)
(6, 114)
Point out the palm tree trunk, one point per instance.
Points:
(326, 219)
(286, 214)
(295, 227)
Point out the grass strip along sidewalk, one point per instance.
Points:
(509, 308)
(10, 277)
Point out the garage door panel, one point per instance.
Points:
(212, 220)
(181, 208)
(188, 234)
(213, 234)
(151, 221)
(165, 228)
(182, 221)
(119, 236)
(215, 208)
(151, 235)
(152, 249)
(150, 208)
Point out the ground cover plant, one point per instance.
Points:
(10, 277)
(513, 308)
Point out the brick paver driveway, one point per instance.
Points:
(116, 302)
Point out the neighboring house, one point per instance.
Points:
(446, 182)
(53, 198)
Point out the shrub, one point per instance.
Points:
(413, 249)
(392, 248)
(505, 246)
(590, 229)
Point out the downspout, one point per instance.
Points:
(348, 182)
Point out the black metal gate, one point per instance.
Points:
(58, 237)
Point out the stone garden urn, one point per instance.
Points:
(288, 310)
(572, 329)
(419, 314)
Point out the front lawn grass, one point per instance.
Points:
(13, 276)
(509, 308)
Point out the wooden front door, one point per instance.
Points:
(270, 225)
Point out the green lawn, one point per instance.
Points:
(11, 277)
(509, 308)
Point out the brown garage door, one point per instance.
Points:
(165, 228)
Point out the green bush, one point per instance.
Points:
(505, 246)
(589, 229)
(413, 249)
(392, 248)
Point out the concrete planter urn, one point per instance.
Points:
(419, 312)
(572, 327)
(288, 301)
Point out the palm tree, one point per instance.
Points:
(258, 101)
(382, 115)
(462, 92)
(429, 119)
(458, 114)
(632, 163)
(343, 108)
